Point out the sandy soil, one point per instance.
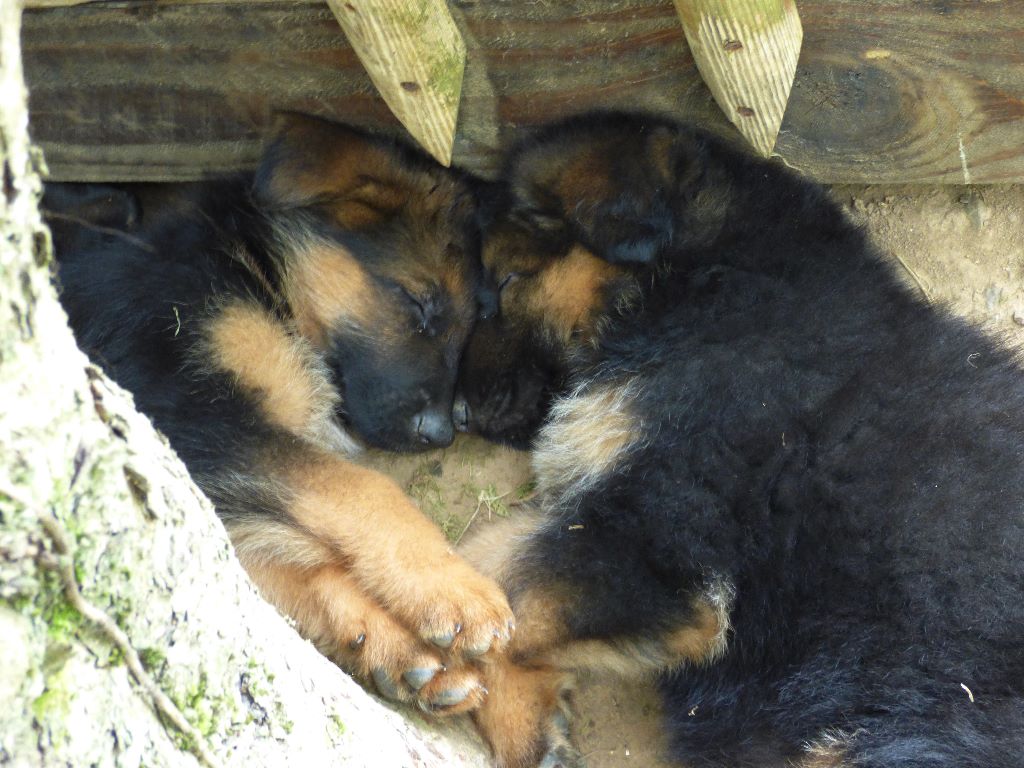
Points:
(960, 246)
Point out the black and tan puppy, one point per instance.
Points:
(268, 326)
(774, 476)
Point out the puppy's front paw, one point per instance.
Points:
(331, 609)
(371, 644)
(457, 609)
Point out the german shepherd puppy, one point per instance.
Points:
(271, 325)
(774, 475)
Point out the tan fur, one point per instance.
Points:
(586, 435)
(454, 283)
(263, 543)
(491, 549)
(517, 717)
(327, 285)
(540, 621)
(395, 553)
(829, 751)
(630, 658)
(343, 159)
(369, 203)
(541, 633)
(452, 677)
(714, 623)
(330, 609)
(526, 690)
(281, 369)
(565, 297)
(701, 640)
(569, 295)
(822, 759)
(661, 149)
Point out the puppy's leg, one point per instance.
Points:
(568, 621)
(279, 371)
(391, 550)
(396, 554)
(305, 581)
(584, 603)
(525, 717)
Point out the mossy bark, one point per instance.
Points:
(146, 549)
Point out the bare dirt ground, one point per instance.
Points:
(961, 246)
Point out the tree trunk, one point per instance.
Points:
(129, 635)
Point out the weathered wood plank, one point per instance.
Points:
(746, 50)
(414, 54)
(886, 90)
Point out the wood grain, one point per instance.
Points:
(414, 54)
(746, 50)
(885, 90)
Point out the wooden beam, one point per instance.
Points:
(414, 54)
(886, 90)
(746, 50)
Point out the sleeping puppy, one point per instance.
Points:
(772, 475)
(271, 325)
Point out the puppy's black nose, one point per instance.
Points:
(460, 414)
(434, 427)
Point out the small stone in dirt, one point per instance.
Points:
(977, 211)
(992, 296)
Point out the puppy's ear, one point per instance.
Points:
(312, 162)
(678, 159)
(532, 195)
(536, 206)
(664, 152)
(701, 189)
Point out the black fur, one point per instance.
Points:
(845, 461)
(137, 305)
